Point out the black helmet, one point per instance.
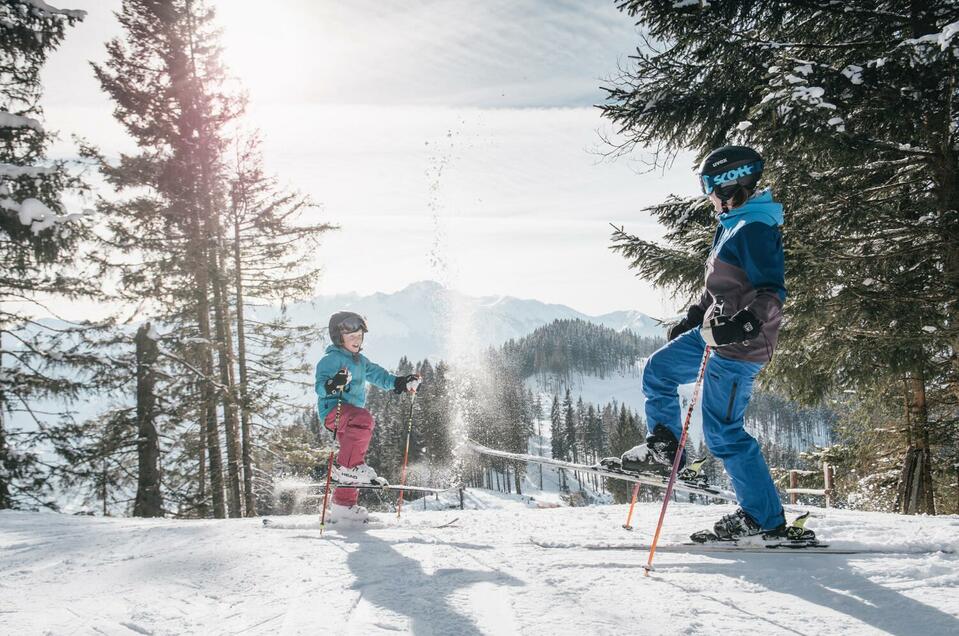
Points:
(729, 168)
(345, 322)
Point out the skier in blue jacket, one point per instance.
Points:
(738, 314)
(341, 378)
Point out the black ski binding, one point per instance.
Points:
(794, 536)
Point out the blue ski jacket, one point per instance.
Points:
(362, 370)
(746, 270)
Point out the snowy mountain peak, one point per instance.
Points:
(421, 288)
(635, 321)
(416, 320)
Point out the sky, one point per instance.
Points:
(450, 140)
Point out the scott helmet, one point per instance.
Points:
(345, 322)
(729, 168)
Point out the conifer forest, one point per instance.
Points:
(190, 393)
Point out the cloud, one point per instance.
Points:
(495, 53)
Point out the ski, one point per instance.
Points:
(775, 547)
(659, 481)
(392, 487)
(388, 487)
(374, 523)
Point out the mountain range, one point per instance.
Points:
(429, 320)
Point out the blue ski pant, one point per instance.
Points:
(727, 387)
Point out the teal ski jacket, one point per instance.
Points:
(363, 371)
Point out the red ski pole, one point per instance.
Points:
(406, 455)
(679, 456)
(632, 504)
(329, 462)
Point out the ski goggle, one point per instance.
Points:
(710, 183)
(351, 324)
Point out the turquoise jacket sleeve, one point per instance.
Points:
(326, 368)
(378, 376)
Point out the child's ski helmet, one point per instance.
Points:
(345, 322)
(729, 168)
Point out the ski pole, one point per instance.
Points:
(632, 504)
(676, 460)
(406, 454)
(329, 462)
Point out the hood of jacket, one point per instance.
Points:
(760, 207)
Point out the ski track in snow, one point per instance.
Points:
(80, 575)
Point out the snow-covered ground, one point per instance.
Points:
(62, 574)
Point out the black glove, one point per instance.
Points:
(338, 382)
(693, 319)
(406, 383)
(724, 330)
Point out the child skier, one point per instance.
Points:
(341, 378)
(738, 314)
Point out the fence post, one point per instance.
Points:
(793, 483)
(827, 481)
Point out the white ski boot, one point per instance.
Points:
(359, 475)
(352, 515)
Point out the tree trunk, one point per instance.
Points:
(207, 390)
(198, 248)
(246, 429)
(213, 453)
(5, 502)
(915, 493)
(225, 359)
(104, 480)
(202, 510)
(518, 480)
(202, 234)
(149, 500)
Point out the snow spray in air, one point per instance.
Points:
(456, 313)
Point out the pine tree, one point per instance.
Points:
(558, 437)
(267, 252)
(595, 434)
(39, 237)
(172, 96)
(624, 437)
(571, 434)
(853, 111)
(557, 432)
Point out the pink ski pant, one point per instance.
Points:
(354, 431)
